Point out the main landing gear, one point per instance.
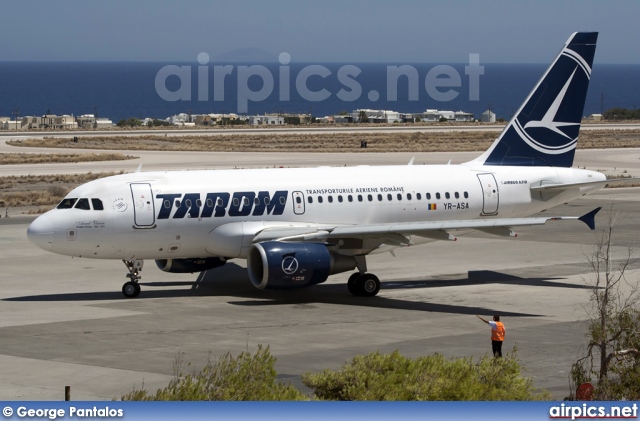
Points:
(131, 289)
(363, 284)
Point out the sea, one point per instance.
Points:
(121, 90)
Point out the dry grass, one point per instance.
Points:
(247, 142)
(324, 142)
(43, 158)
(43, 191)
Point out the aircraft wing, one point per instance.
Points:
(397, 233)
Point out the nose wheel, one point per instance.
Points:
(131, 289)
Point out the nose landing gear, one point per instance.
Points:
(131, 289)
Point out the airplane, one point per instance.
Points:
(297, 226)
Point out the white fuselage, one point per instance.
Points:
(196, 214)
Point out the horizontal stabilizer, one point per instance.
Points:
(551, 187)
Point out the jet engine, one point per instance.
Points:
(189, 265)
(282, 265)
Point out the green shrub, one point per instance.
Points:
(393, 377)
(246, 377)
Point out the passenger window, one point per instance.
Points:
(418, 196)
(267, 201)
(466, 195)
(187, 203)
(340, 198)
(199, 203)
(167, 204)
(399, 196)
(282, 200)
(350, 198)
(256, 201)
(330, 198)
(408, 196)
(437, 195)
(209, 203)
(389, 197)
(97, 204)
(428, 196)
(219, 202)
(298, 200)
(359, 198)
(457, 195)
(447, 195)
(319, 199)
(236, 202)
(67, 203)
(370, 197)
(245, 201)
(310, 199)
(379, 198)
(178, 203)
(83, 204)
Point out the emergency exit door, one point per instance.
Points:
(298, 202)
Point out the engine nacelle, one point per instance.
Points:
(280, 265)
(189, 265)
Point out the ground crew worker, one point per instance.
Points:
(497, 334)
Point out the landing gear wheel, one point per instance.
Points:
(131, 289)
(351, 283)
(368, 285)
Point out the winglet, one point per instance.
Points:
(590, 218)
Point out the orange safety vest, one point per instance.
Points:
(498, 333)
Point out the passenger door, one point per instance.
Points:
(490, 194)
(143, 207)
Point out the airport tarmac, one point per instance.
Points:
(616, 162)
(64, 321)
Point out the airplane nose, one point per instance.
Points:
(40, 232)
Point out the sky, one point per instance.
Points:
(400, 31)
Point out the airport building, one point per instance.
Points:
(266, 120)
(488, 117)
(435, 116)
(90, 121)
(49, 121)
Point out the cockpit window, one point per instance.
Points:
(67, 203)
(83, 204)
(97, 204)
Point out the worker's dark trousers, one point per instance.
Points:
(497, 348)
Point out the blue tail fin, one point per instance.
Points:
(544, 131)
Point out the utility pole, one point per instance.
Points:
(16, 113)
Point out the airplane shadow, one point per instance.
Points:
(232, 280)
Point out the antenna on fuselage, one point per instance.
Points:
(411, 162)
(139, 169)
